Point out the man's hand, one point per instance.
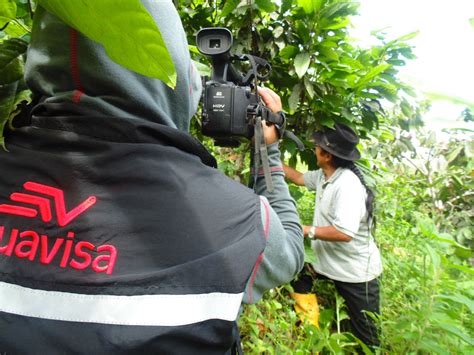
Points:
(271, 99)
(273, 102)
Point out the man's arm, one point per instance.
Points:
(329, 233)
(293, 175)
(283, 256)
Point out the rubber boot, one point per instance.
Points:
(306, 307)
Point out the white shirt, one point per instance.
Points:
(340, 202)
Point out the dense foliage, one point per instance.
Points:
(424, 211)
(321, 75)
(424, 188)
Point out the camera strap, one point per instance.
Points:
(261, 155)
(260, 114)
(279, 120)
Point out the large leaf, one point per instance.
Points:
(339, 9)
(309, 254)
(7, 11)
(266, 5)
(302, 61)
(309, 87)
(335, 25)
(11, 61)
(229, 6)
(288, 52)
(374, 72)
(310, 6)
(15, 29)
(405, 37)
(457, 332)
(458, 298)
(286, 5)
(295, 97)
(125, 29)
(12, 87)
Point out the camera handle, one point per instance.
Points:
(278, 118)
(257, 64)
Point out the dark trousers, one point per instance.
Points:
(359, 297)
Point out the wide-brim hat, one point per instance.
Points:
(340, 141)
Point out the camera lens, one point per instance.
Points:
(214, 43)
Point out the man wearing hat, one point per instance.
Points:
(341, 231)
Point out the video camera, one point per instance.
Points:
(231, 103)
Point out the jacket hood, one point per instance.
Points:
(72, 75)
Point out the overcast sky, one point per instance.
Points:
(444, 47)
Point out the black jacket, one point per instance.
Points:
(93, 214)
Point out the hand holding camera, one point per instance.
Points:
(232, 102)
(273, 102)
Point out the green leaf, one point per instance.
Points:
(453, 330)
(301, 63)
(303, 31)
(7, 11)
(11, 61)
(286, 5)
(11, 95)
(14, 29)
(309, 254)
(277, 32)
(295, 97)
(406, 109)
(310, 6)
(288, 52)
(136, 43)
(266, 5)
(202, 68)
(329, 53)
(372, 74)
(326, 316)
(327, 121)
(338, 9)
(353, 63)
(471, 21)
(229, 6)
(328, 44)
(454, 154)
(12, 87)
(309, 87)
(460, 299)
(407, 37)
(347, 114)
(435, 258)
(337, 24)
(388, 91)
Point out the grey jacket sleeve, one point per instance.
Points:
(283, 256)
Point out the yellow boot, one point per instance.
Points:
(306, 307)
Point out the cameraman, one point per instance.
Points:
(117, 233)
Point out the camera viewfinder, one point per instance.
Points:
(214, 43)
